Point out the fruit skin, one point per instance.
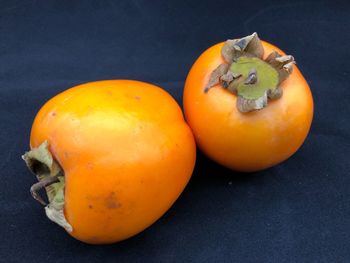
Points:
(251, 141)
(126, 152)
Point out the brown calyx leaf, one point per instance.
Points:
(247, 105)
(275, 93)
(51, 177)
(249, 46)
(230, 80)
(227, 78)
(216, 75)
(283, 64)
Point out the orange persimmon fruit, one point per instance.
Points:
(247, 107)
(113, 155)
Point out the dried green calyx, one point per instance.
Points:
(50, 176)
(247, 75)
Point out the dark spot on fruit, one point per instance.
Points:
(90, 206)
(53, 114)
(137, 97)
(111, 201)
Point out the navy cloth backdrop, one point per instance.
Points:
(298, 211)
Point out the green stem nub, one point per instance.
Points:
(247, 75)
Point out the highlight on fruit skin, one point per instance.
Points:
(248, 104)
(113, 156)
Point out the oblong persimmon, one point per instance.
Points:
(125, 154)
(228, 111)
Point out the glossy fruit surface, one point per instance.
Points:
(126, 153)
(246, 141)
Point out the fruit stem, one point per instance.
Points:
(45, 182)
(252, 77)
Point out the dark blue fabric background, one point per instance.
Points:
(298, 211)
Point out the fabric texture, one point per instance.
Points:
(298, 211)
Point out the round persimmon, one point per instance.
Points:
(248, 105)
(113, 156)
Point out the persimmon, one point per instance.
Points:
(113, 156)
(248, 105)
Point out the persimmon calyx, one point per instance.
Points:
(246, 74)
(51, 177)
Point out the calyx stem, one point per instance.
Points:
(45, 182)
(51, 177)
(252, 77)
